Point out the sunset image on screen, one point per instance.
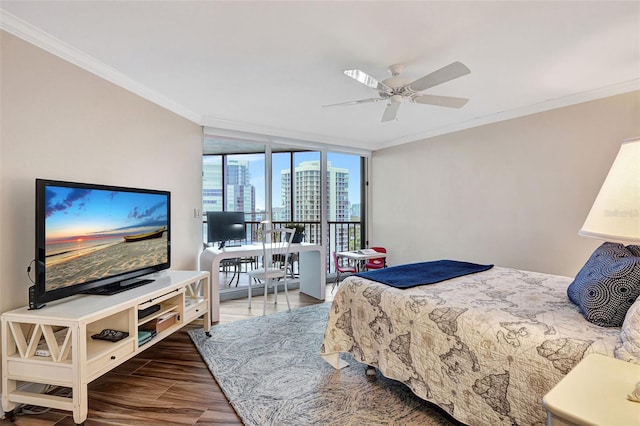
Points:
(92, 234)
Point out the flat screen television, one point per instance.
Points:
(97, 239)
(225, 226)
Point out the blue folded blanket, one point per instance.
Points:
(414, 274)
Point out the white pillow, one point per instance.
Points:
(628, 347)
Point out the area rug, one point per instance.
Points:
(270, 370)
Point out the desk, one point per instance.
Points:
(360, 257)
(311, 266)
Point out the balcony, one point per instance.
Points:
(341, 236)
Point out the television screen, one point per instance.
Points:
(90, 237)
(225, 226)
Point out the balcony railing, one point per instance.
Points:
(341, 236)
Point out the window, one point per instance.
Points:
(238, 182)
(344, 180)
(234, 183)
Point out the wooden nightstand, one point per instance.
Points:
(595, 393)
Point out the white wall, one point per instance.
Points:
(513, 193)
(61, 122)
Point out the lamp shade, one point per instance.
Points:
(615, 215)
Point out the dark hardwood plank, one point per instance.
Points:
(129, 388)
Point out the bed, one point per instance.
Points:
(485, 347)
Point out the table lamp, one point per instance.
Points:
(615, 214)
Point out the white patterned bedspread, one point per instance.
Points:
(485, 347)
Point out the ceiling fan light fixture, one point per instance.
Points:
(396, 88)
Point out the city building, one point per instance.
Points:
(240, 194)
(306, 202)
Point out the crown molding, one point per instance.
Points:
(574, 99)
(45, 41)
(48, 43)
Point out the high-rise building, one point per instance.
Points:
(240, 194)
(212, 184)
(306, 196)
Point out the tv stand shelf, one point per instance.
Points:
(53, 345)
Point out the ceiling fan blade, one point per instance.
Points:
(443, 101)
(444, 74)
(362, 101)
(367, 80)
(391, 111)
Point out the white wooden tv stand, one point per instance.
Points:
(63, 329)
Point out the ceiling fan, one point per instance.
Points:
(395, 88)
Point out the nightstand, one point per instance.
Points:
(595, 393)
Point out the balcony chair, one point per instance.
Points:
(378, 262)
(275, 263)
(235, 265)
(341, 270)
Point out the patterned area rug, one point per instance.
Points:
(270, 370)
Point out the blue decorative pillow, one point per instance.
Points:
(607, 285)
(635, 250)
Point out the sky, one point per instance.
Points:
(90, 213)
(281, 161)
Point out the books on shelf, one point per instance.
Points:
(161, 323)
(145, 335)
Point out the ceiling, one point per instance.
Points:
(268, 67)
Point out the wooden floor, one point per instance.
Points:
(168, 383)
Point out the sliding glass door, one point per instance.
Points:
(321, 190)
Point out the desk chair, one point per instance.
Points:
(275, 263)
(378, 262)
(341, 270)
